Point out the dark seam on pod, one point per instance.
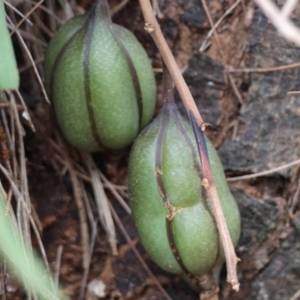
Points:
(135, 80)
(133, 74)
(200, 140)
(165, 116)
(193, 153)
(203, 153)
(174, 250)
(86, 76)
(188, 141)
(158, 155)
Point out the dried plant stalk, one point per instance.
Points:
(280, 19)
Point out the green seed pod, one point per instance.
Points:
(172, 211)
(100, 81)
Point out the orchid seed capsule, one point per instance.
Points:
(171, 207)
(100, 81)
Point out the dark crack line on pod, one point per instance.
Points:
(158, 156)
(135, 80)
(203, 151)
(197, 167)
(194, 154)
(201, 144)
(86, 75)
(174, 249)
(172, 211)
(188, 141)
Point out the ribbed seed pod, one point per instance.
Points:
(100, 81)
(171, 208)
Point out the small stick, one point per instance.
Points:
(288, 7)
(231, 80)
(28, 36)
(296, 296)
(118, 7)
(26, 17)
(57, 264)
(228, 11)
(264, 173)
(115, 193)
(17, 12)
(87, 270)
(281, 22)
(49, 12)
(26, 110)
(293, 93)
(263, 70)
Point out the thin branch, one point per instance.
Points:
(111, 187)
(264, 173)
(118, 7)
(288, 7)
(231, 80)
(17, 12)
(26, 35)
(296, 296)
(87, 270)
(235, 89)
(25, 110)
(228, 11)
(48, 11)
(156, 9)
(57, 264)
(26, 17)
(280, 21)
(263, 70)
(152, 27)
(293, 93)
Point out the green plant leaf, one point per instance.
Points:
(26, 266)
(9, 75)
